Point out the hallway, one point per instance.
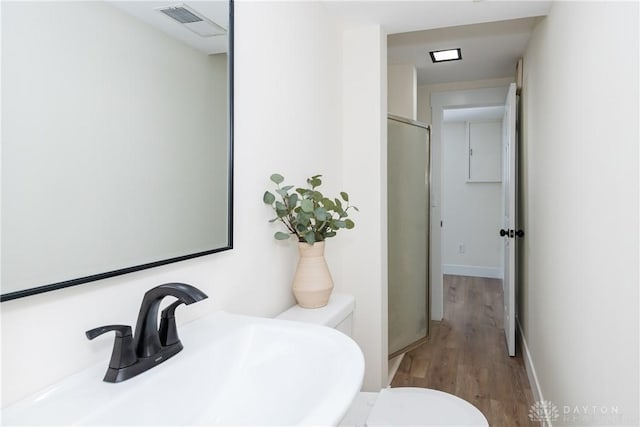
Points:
(466, 354)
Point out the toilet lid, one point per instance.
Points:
(409, 406)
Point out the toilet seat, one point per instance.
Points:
(410, 406)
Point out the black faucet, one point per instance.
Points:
(150, 346)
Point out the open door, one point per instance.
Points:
(509, 225)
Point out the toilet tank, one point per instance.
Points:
(337, 314)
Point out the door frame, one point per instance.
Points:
(439, 102)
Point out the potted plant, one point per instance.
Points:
(312, 218)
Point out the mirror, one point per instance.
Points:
(116, 138)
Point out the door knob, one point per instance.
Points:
(511, 233)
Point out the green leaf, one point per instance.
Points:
(328, 204)
(310, 237)
(268, 198)
(281, 236)
(344, 196)
(339, 224)
(338, 205)
(301, 228)
(307, 205)
(304, 219)
(314, 181)
(274, 219)
(277, 178)
(282, 192)
(357, 210)
(280, 206)
(317, 196)
(293, 199)
(330, 234)
(350, 224)
(287, 188)
(321, 214)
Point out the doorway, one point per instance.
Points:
(472, 191)
(474, 139)
(441, 102)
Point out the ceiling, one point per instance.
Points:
(216, 11)
(492, 34)
(489, 50)
(400, 16)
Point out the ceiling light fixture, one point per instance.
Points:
(446, 55)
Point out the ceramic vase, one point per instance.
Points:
(312, 283)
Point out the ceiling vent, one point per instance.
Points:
(193, 20)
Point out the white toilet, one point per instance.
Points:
(402, 406)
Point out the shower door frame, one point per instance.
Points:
(422, 340)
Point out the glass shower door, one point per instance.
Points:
(408, 232)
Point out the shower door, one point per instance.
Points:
(408, 168)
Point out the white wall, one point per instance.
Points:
(402, 91)
(287, 103)
(364, 151)
(471, 212)
(579, 292)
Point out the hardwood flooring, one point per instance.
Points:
(466, 354)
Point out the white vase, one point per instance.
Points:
(312, 283)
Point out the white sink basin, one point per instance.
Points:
(234, 370)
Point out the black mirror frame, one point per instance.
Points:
(100, 276)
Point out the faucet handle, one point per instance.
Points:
(121, 330)
(123, 354)
(168, 330)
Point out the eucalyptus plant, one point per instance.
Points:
(306, 213)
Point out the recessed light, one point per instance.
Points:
(446, 55)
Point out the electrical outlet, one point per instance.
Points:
(461, 248)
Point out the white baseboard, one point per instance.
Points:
(472, 270)
(536, 390)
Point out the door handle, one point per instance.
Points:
(511, 233)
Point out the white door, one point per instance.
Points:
(508, 231)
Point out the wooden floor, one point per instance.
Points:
(466, 354)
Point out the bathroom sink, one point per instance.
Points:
(234, 370)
